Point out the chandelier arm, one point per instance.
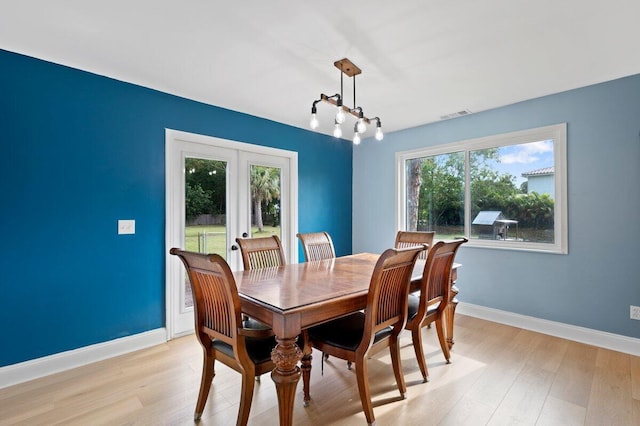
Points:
(341, 82)
(354, 91)
(313, 105)
(353, 111)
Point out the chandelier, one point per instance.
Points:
(347, 68)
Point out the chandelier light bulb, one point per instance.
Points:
(362, 127)
(314, 121)
(356, 138)
(340, 116)
(379, 134)
(337, 130)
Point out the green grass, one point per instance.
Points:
(216, 238)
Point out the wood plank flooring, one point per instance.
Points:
(499, 375)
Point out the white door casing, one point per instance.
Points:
(239, 157)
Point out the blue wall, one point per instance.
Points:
(596, 282)
(79, 152)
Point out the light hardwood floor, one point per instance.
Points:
(499, 375)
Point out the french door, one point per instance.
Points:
(217, 190)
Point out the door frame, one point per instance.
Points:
(176, 144)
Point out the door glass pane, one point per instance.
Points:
(265, 200)
(205, 210)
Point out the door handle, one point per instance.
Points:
(245, 235)
(234, 247)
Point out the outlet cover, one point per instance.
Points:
(634, 312)
(126, 227)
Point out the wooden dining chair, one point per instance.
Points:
(431, 302)
(219, 329)
(317, 246)
(361, 334)
(262, 252)
(412, 238)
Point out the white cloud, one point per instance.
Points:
(525, 153)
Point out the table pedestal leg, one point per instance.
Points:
(451, 312)
(286, 375)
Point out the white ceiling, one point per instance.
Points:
(420, 59)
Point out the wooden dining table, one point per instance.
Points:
(293, 297)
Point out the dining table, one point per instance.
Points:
(293, 297)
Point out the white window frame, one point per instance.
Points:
(557, 133)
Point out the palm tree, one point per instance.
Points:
(265, 187)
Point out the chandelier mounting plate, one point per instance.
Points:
(347, 67)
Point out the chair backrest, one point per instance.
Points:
(261, 252)
(389, 291)
(436, 278)
(412, 238)
(217, 310)
(317, 246)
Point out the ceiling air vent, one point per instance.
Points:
(455, 114)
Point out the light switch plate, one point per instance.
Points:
(126, 226)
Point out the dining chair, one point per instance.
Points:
(430, 303)
(259, 253)
(220, 331)
(359, 335)
(317, 246)
(412, 238)
(262, 252)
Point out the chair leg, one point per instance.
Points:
(208, 371)
(363, 388)
(440, 328)
(305, 366)
(416, 336)
(246, 396)
(394, 348)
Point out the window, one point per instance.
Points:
(505, 191)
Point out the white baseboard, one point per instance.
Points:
(589, 336)
(36, 368)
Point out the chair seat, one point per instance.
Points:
(414, 303)
(346, 332)
(253, 323)
(259, 350)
